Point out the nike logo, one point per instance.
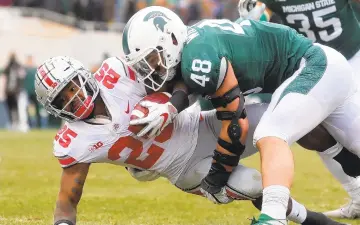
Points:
(128, 108)
(165, 115)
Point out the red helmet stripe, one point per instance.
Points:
(46, 78)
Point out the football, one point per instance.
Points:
(141, 112)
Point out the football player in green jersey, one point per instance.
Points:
(310, 83)
(329, 22)
(334, 23)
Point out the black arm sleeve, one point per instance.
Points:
(180, 100)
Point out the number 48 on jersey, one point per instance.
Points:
(200, 66)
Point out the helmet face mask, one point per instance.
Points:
(72, 92)
(74, 100)
(153, 40)
(151, 69)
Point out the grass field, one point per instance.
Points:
(29, 180)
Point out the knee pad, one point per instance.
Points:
(143, 175)
(244, 184)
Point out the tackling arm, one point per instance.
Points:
(229, 103)
(163, 114)
(179, 97)
(71, 186)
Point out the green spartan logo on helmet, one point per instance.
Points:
(159, 21)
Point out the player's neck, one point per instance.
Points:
(100, 108)
(100, 115)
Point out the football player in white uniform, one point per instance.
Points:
(97, 110)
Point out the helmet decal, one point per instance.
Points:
(159, 21)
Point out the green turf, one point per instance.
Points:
(29, 180)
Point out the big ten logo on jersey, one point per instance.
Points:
(96, 146)
(64, 136)
(132, 150)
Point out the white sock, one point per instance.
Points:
(353, 189)
(333, 166)
(275, 201)
(298, 212)
(350, 184)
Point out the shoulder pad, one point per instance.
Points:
(203, 65)
(119, 66)
(63, 143)
(111, 71)
(73, 142)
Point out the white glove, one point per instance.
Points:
(248, 9)
(160, 115)
(143, 175)
(219, 198)
(245, 6)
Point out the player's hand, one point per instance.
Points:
(245, 6)
(216, 195)
(160, 115)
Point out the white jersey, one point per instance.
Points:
(83, 142)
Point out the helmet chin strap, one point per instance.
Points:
(171, 73)
(85, 109)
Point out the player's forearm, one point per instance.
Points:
(243, 123)
(179, 100)
(65, 212)
(179, 97)
(72, 183)
(224, 135)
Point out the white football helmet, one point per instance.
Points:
(154, 37)
(55, 74)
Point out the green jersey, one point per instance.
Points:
(356, 8)
(329, 22)
(262, 55)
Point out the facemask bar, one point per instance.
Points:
(89, 89)
(146, 66)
